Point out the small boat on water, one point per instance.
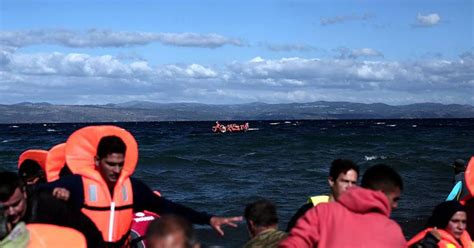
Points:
(231, 128)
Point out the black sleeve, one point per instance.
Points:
(44, 208)
(145, 199)
(73, 183)
(297, 215)
(429, 241)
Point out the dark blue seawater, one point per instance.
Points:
(283, 161)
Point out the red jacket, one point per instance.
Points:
(359, 218)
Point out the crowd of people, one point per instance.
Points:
(82, 194)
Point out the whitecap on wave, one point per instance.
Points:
(51, 130)
(369, 158)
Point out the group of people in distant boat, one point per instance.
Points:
(220, 128)
(81, 193)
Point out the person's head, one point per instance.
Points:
(343, 174)
(459, 166)
(12, 196)
(31, 172)
(110, 158)
(449, 216)
(384, 178)
(171, 231)
(260, 215)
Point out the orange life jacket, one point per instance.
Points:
(46, 236)
(37, 155)
(469, 176)
(112, 214)
(447, 240)
(55, 161)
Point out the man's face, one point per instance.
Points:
(457, 224)
(175, 239)
(343, 182)
(394, 197)
(111, 166)
(15, 206)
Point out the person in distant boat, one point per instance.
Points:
(358, 218)
(445, 228)
(343, 174)
(262, 225)
(171, 231)
(103, 159)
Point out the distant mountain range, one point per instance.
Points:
(151, 111)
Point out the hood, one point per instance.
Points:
(360, 200)
(55, 161)
(37, 155)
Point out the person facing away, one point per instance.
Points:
(171, 231)
(262, 225)
(41, 207)
(343, 174)
(103, 159)
(459, 193)
(358, 218)
(445, 228)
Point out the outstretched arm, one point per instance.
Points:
(217, 222)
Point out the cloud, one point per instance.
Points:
(288, 47)
(347, 18)
(427, 20)
(83, 78)
(346, 53)
(107, 38)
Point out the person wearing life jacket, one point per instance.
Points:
(343, 174)
(31, 166)
(459, 190)
(40, 207)
(358, 218)
(446, 228)
(103, 159)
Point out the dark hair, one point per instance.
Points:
(167, 224)
(110, 144)
(65, 171)
(29, 169)
(459, 166)
(382, 177)
(262, 213)
(9, 182)
(443, 213)
(3, 223)
(339, 166)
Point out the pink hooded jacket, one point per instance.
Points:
(360, 218)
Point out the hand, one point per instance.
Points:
(217, 222)
(61, 194)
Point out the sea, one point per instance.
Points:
(285, 161)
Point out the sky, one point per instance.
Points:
(230, 52)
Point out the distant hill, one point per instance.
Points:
(150, 111)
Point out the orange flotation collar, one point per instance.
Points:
(37, 155)
(55, 161)
(469, 176)
(81, 149)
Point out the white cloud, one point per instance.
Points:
(288, 47)
(345, 18)
(78, 78)
(427, 20)
(107, 38)
(345, 53)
